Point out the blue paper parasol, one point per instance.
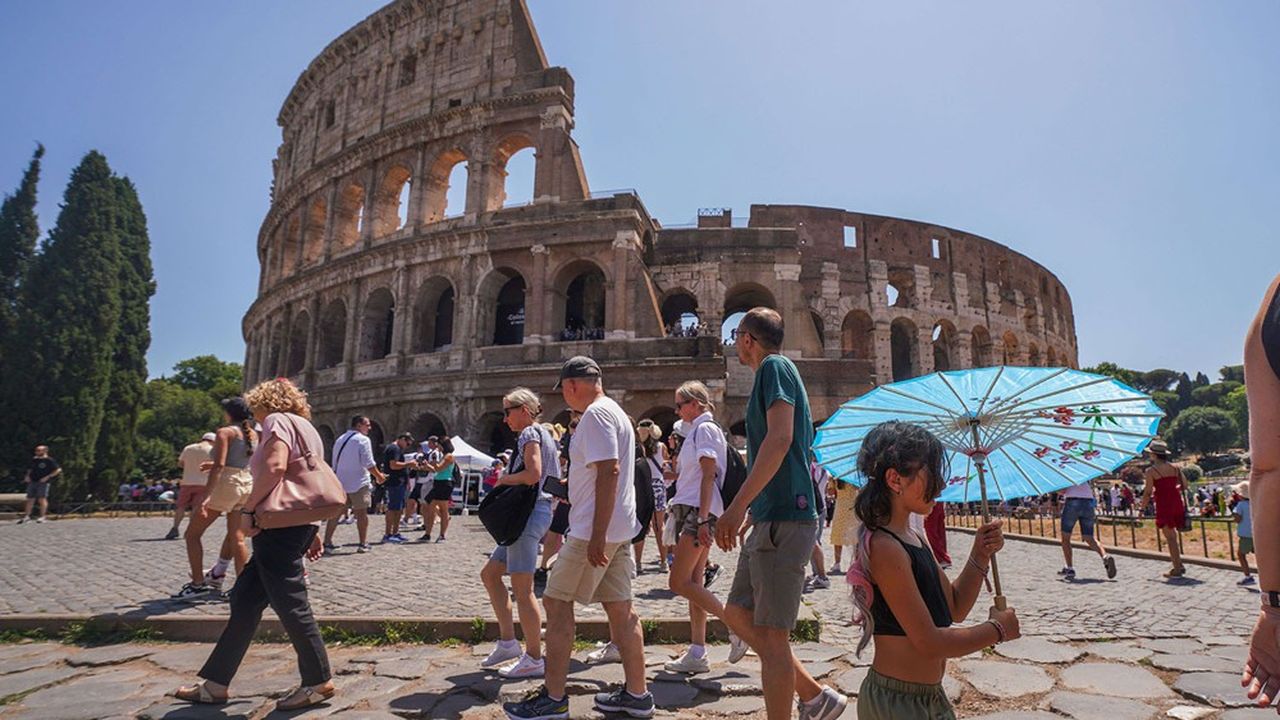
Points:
(1026, 431)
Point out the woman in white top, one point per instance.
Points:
(694, 509)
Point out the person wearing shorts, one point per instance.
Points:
(396, 468)
(595, 564)
(1079, 506)
(764, 600)
(42, 472)
(356, 467)
(195, 480)
(536, 459)
(442, 470)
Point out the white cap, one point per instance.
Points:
(209, 437)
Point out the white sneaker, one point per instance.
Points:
(40, 519)
(835, 571)
(214, 581)
(525, 667)
(606, 653)
(821, 582)
(829, 705)
(737, 649)
(502, 653)
(688, 664)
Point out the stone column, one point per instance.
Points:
(465, 307)
(536, 324)
(924, 351)
(250, 360)
(619, 300)
(352, 340)
(313, 341)
(400, 329)
(964, 350)
(880, 336)
(331, 207)
(370, 198)
(286, 330)
(800, 333)
(417, 189)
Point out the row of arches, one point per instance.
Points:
(398, 199)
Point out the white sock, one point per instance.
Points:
(697, 651)
(220, 567)
(637, 697)
(504, 644)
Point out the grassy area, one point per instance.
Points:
(87, 634)
(1214, 535)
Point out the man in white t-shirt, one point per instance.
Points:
(191, 489)
(354, 464)
(595, 564)
(1079, 506)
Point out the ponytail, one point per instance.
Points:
(238, 410)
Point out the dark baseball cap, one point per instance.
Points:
(579, 366)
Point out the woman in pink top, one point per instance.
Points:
(274, 575)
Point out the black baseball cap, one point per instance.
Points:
(579, 366)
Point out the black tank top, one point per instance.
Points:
(1271, 332)
(925, 571)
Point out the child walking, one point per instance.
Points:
(1244, 531)
(901, 597)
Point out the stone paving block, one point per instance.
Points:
(817, 652)
(672, 695)
(850, 681)
(1018, 715)
(1193, 663)
(729, 682)
(1115, 680)
(1248, 714)
(1038, 650)
(1213, 688)
(174, 709)
(739, 705)
(39, 677)
(1081, 706)
(1173, 645)
(1118, 651)
(1189, 712)
(1236, 653)
(1003, 679)
(1224, 640)
(108, 655)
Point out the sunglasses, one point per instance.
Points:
(508, 410)
(682, 403)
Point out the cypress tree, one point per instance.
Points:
(19, 231)
(116, 451)
(71, 308)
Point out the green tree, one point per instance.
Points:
(177, 416)
(1212, 395)
(69, 319)
(19, 231)
(1110, 369)
(114, 458)
(1158, 380)
(1203, 429)
(209, 374)
(1232, 373)
(1237, 403)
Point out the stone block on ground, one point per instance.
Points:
(1223, 640)
(1235, 653)
(1039, 650)
(729, 682)
(1018, 715)
(1194, 663)
(1219, 689)
(1115, 680)
(739, 705)
(1248, 714)
(1003, 679)
(1123, 651)
(1172, 645)
(850, 681)
(28, 680)
(174, 709)
(108, 655)
(671, 695)
(1082, 706)
(1189, 712)
(817, 652)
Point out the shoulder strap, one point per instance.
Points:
(307, 454)
(347, 439)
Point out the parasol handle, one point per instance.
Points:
(980, 460)
(1000, 602)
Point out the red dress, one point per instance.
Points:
(1170, 510)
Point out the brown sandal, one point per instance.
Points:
(305, 697)
(199, 694)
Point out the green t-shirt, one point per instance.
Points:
(789, 495)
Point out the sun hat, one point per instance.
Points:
(209, 437)
(1158, 447)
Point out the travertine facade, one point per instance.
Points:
(380, 298)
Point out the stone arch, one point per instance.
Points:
(275, 349)
(900, 289)
(1009, 348)
(326, 439)
(494, 435)
(433, 315)
(1033, 355)
(904, 349)
(738, 300)
(299, 337)
(981, 349)
(510, 146)
(391, 201)
(426, 424)
(944, 346)
(333, 334)
(857, 336)
(500, 307)
(313, 233)
(664, 417)
(348, 217)
(579, 301)
(377, 438)
(819, 327)
(438, 179)
(1052, 357)
(377, 323)
(679, 309)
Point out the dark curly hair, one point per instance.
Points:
(238, 410)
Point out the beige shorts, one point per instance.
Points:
(574, 579)
(686, 520)
(231, 490)
(361, 499)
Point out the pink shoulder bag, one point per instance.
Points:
(308, 492)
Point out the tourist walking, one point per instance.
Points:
(230, 483)
(844, 524)
(817, 558)
(1165, 483)
(396, 468)
(535, 462)
(654, 454)
(42, 471)
(1079, 506)
(275, 574)
(697, 504)
(595, 564)
(1262, 380)
(356, 468)
(442, 471)
(195, 478)
(765, 597)
(901, 596)
(1244, 531)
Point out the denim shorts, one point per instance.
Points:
(395, 497)
(1078, 509)
(521, 556)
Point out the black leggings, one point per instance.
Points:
(273, 576)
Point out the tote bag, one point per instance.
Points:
(309, 491)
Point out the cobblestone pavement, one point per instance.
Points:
(122, 565)
(1031, 679)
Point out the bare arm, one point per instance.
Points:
(773, 450)
(709, 470)
(1263, 389)
(218, 453)
(277, 460)
(1148, 486)
(607, 472)
(532, 472)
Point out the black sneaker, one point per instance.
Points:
(621, 701)
(538, 705)
(173, 534)
(1109, 563)
(540, 576)
(709, 575)
(193, 590)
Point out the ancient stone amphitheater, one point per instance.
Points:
(380, 297)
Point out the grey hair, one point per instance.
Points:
(526, 398)
(696, 391)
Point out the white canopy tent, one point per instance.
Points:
(469, 458)
(471, 463)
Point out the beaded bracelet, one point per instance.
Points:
(999, 630)
(978, 567)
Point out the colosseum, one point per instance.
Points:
(380, 296)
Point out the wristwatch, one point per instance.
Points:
(1271, 598)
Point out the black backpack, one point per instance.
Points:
(505, 510)
(735, 474)
(644, 496)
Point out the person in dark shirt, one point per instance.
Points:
(397, 471)
(43, 470)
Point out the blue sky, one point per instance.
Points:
(1129, 147)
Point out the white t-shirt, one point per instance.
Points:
(352, 458)
(604, 433)
(191, 457)
(1083, 490)
(704, 440)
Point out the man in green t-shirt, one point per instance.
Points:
(765, 599)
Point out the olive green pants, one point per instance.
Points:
(883, 698)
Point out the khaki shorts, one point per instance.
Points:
(574, 579)
(685, 518)
(770, 576)
(361, 499)
(886, 698)
(231, 490)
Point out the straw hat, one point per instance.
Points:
(1158, 447)
(1242, 487)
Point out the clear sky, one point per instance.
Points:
(1130, 147)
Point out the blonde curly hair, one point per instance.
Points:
(277, 396)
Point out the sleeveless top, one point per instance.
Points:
(445, 474)
(237, 452)
(924, 570)
(1271, 332)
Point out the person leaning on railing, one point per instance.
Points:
(1262, 380)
